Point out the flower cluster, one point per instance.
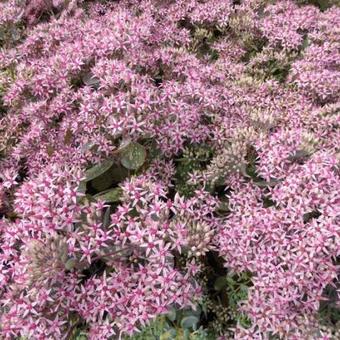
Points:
(99, 104)
(59, 236)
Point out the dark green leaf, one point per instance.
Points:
(189, 312)
(102, 182)
(133, 156)
(186, 334)
(171, 315)
(98, 170)
(82, 187)
(220, 283)
(106, 218)
(189, 322)
(110, 196)
(170, 334)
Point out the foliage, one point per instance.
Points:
(163, 329)
(169, 169)
(194, 158)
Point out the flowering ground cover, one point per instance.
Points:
(169, 169)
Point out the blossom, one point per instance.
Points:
(254, 82)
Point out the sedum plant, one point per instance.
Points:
(157, 156)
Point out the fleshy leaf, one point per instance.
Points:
(133, 156)
(90, 80)
(110, 196)
(220, 283)
(103, 182)
(106, 218)
(171, 315)
(98, 170)
(70, 264)
(189, 322)
(82, 187)
(170, 334)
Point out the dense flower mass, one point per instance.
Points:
(105, 104)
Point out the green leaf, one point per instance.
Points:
(133, 156)
(186, 334)
(205, 309)
(114, 175)
(264, 184)
(220, 283)
(299, 155)
(170, 334)
(118, 173)
(230, 280)
(103, 182)
(110, 196)
(243, 288)
(106, 218)
(189, 322)
(80, 336)
(82, 187)
(171, 315)
(90, 80)
(87, 147)
(188, 312)
(305, 43)
(70, 264)
(98, 170)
